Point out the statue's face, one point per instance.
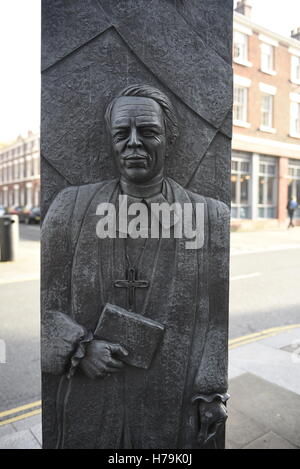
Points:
(138, 138)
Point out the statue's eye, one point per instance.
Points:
(121, 135)
(148, 132)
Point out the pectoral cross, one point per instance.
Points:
(131, 283)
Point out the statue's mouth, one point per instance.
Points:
(136, 161)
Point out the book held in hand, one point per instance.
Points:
(139, 335)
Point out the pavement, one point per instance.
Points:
(264, 373)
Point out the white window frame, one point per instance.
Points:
(268, 161)
(241, 42)
(295, 115)
(239, 173)
(243, 84)
(267, 125)
(268, 68)
(295, 69)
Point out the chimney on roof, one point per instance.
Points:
(295, 34)
(244, 7)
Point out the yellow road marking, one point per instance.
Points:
(233, 343)
(249, 341)
(262, 334)
(20, 417)
(20, 409)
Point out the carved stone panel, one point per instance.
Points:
(106, 63)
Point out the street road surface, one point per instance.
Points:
(264, 293)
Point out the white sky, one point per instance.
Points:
(20, 56)
(19, 65)
(280, 16)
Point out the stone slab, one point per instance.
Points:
(270, 441)
(36, 430)
(6, 430)
(19, 440)
(270, 406)
(273, 365)
(241, 429)
(71, 26)
(234, 372)
(27, 423)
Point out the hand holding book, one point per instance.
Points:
(102, 358)
(121, 336)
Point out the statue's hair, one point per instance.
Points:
(147, 91)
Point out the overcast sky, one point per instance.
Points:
(277, 15)
(20, 56)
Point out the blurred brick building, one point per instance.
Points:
(266, 123)
(20, 172)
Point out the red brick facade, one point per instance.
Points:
(268, 98)
(20, 172)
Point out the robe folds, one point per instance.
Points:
(188, 294)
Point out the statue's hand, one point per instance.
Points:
(212, 416)
(102, 358)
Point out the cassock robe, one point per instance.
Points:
(188, 294)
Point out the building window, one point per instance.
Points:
(36, 167)
(240, 186)
(267, 196)
(267, 111)
(295, 73)
(9, 174)
(294, 183)
(10, 198)
(240, 47)
(295, 119)
(267, 58)
(22, 196)
(16, 195)
(37, 197)
(240, 104)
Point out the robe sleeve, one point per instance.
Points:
(62, 338)
(211, 380)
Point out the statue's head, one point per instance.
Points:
(143, 125)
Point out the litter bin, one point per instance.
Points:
(9, 237)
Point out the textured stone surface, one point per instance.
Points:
(110, 45)
(178, 57)
(69, 24)
(212, 21)
(174, 45)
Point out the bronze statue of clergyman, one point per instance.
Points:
(168, 388)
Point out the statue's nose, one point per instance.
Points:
(134, 140)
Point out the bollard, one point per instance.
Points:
(9, 237)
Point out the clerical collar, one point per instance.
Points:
(162, 196)
(141, 192)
